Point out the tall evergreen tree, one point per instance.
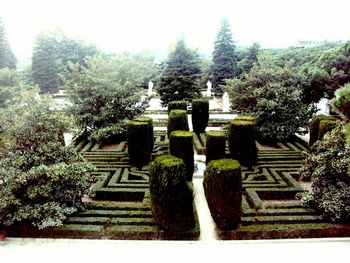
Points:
(180, 76)
(7, 58)
(224, 57)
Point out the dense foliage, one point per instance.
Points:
(11, 83)
(41, 180)
(180, 76)
(273, 95)
(7, 58)
(341, 101)
(105, 94)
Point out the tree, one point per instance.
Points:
(247, 63)
(106, 95)
(224, 58)
(10, 84)
(181, 75)
(7, 58)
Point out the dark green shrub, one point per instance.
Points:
(245, 118)
(171, 197)
(223, 191)
(200, 114)
(341, 101)
(149, 120)
(326, 126)
(177, 105)
(177, 121)
(241, 140)
(181, 146)
(138, 143)
(215, 146)
(314, 127)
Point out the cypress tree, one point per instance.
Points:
(7, 58)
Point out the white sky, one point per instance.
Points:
(134, 25)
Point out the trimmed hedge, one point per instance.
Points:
(171, 196)
(177, 121)
(326, 126)
(149, 120)
(138, 143)
(223, 191)
(177, 105)
(181, 146)
(241, 140)
(200, 114)
(314, 127)
(215, 146)
(245, 118)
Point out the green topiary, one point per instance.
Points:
(215, 146)
(314, 127)
(241, 140)
(177, 105)
(138, 143)
(200, 114)
(223, 191)
(149, 120)
(181, 146)
(245, 118)
(326, 126)
(171, 197)
(177, 121)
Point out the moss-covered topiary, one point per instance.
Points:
(171, 196)
(241, 140)
(326, 126)
(177, 105)
(138, 143)
(177, 121)
(215, 146)
(223, 191)
(200, 114)
(314, 127)
(181, 146)
(149, 120)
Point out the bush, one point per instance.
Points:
(171, 197)
(177, 105)
(111, 134)
(314, 127)
(138, 143)
(177, 121)
(41, 181)
(149, 120)
(327, 166)
(241, 140)
(326, 126)
(245, 118)
(341, 101)
(215, 145)
(200, 114)
(223, 191)
(181, 146)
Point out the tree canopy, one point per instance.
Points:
(7, 58)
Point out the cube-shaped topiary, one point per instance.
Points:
(138, 143)
(171, 196)
(215, 145)
(326, 126)
(314, 127)
(177, 121)
(149, 120)
(200, 114)
(177, 105)
(223, 191)
(181, 146)
(241, 140)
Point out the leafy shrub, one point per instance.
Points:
(177, 121)
(138, 143)
(177, 105)
(149, 120)
(341, 101)
(200, 114)
(326, 126)
(314, 127)
(41, 181)
(327, 166)
(241, 141)
(171, 197)
(215, 145)
(223, 191)
(181, 146)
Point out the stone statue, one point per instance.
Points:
(150, 87)
(209, 85)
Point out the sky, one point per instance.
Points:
(155, 25)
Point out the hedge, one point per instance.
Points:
(171, 197)
(181, 146)
(326, 126)
(241, 140)
(177, 121)
(177, 105)
(314, 127)
(223, 191)
(245, 118)
(215, 145)
(149, 120)
(138, 143)
(200, 114)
